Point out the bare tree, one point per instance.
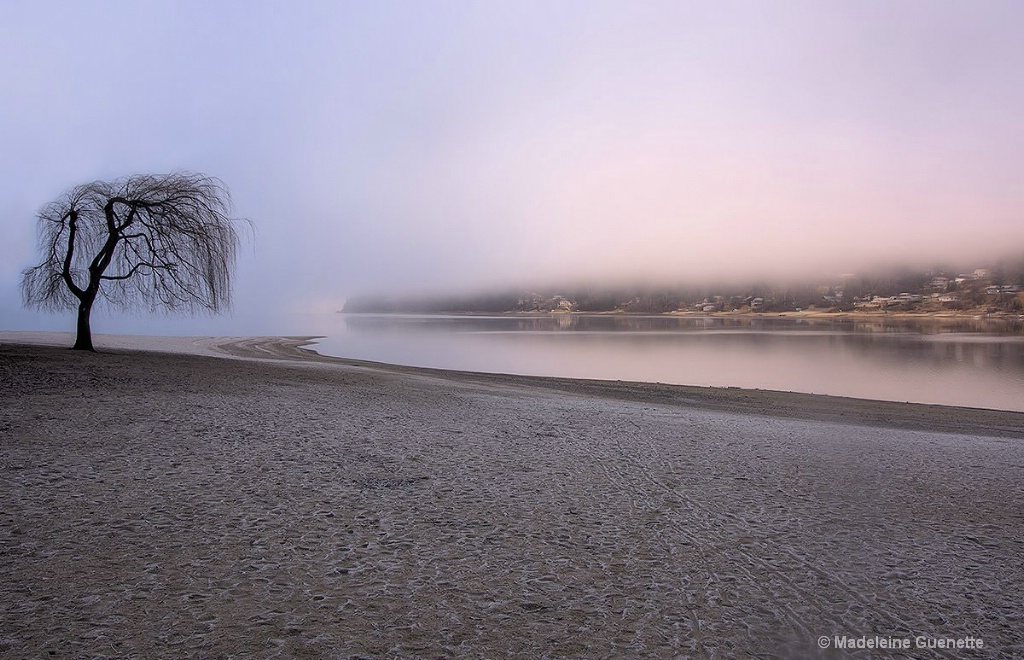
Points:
(163, 241)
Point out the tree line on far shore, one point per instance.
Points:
(957, 288)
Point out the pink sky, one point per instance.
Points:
(387, 146)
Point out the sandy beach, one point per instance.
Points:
(234, 497)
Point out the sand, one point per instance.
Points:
(217, 497)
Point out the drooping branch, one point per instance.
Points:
(165, 242)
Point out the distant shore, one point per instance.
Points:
(866, 315)
(215, 496)
(818, 314)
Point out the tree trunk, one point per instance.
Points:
(83, 342)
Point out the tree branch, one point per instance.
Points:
(70, 255)
(166, 241)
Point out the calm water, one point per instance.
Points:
(966, 363)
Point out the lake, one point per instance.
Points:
(964, 362)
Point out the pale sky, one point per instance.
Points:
(398, 146)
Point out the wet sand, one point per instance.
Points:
(231, 496)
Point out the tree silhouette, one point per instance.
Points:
(163, 241)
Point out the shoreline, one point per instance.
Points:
(764, 403)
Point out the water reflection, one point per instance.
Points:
(972, 362)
